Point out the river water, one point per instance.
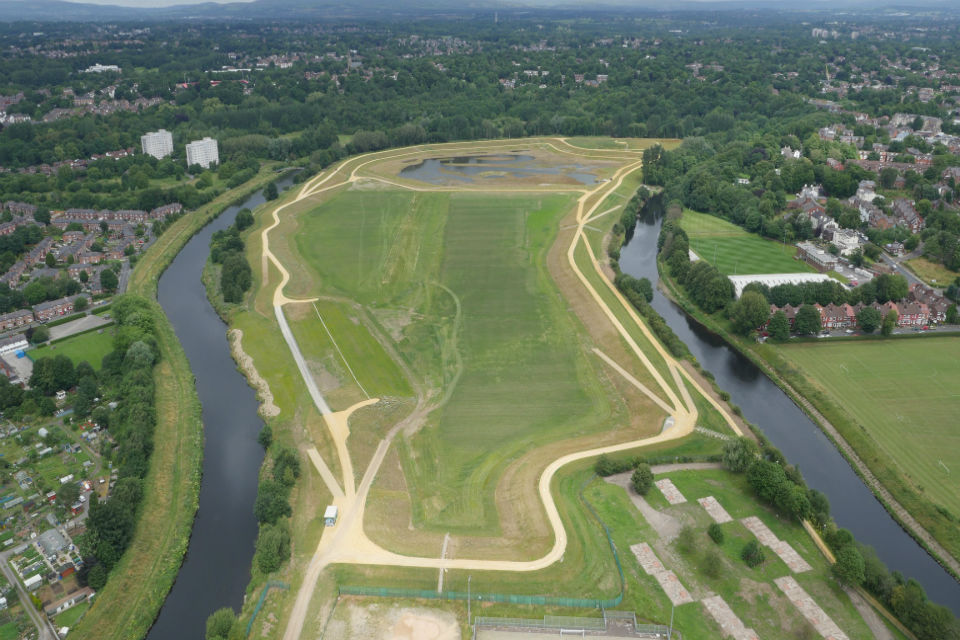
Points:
(216, 569)
(852, 504)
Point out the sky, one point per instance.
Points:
(151, 3)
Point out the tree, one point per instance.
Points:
(244, 219)
(753, 554)
(265, 437)
(40, 334)
(952, 316)
(97, 577)
(849, 567)
(68, 494)
(50, 259)
(887, 177)
(84, 276)
(642, 479)
(807, 321)
(749, 312)
(270, 193)
(42, 215)
(715, 531)
(108, 280)
(273, 547)
(869, 319)
(779, 327)
(80, 304)
(889, 323)
(219, 624)
(271, 503)
(739, 454)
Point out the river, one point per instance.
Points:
(803, 443)
(216, 569)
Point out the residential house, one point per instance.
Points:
(907, 215)
(15, 319)
(54, 308)
(39, 252)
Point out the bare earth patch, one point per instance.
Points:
(267, 407)
(666, 526)
(354, 620)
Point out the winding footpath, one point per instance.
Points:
(347, 542)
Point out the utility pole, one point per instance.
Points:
(670, 633)
(469, 578)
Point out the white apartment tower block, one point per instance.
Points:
(203, 152)
(158, 144)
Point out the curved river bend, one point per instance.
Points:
(803, 443)
(216, 569)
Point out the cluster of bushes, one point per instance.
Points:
(704, 284)
(775, 482)
(606, 466)
(640, 291)
(126, 376)
(858, 565)
(227, 250)
(781, 486)
(272, 507)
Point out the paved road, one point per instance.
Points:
(899, 268)
(40, 621)
(77, 326)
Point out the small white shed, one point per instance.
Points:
(330, 516)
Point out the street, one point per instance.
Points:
(40, 621)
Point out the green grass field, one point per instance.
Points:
(90, 347)
(905, 394)
(458, 280)
(733, 250)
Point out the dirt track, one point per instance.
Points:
(347, 542)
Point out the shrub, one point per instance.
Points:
(712, 564)
(642, 479)
(752, 554)
(686, 540)
(715, 531)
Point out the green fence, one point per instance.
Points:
(553, 601)
(271, 584)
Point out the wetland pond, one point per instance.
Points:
(478, 168)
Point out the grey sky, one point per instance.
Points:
(151, 3)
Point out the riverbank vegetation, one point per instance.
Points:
(139, 582)
(937, 521)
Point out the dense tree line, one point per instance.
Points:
(227, 250)
(127, 373)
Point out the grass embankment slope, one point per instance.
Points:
(904, 395)
(733, 250)
(138, 585)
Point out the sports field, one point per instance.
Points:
(735, 251)
(905, 394)
(90, 347)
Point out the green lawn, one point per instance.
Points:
(751, 593)
(458, 282)
(733, 250)
(9, 631)
(69, 617)
(905, 394)
(90, 347)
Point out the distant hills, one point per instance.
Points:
(59, 10)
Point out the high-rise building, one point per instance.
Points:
(158, 144)
(203, 152)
